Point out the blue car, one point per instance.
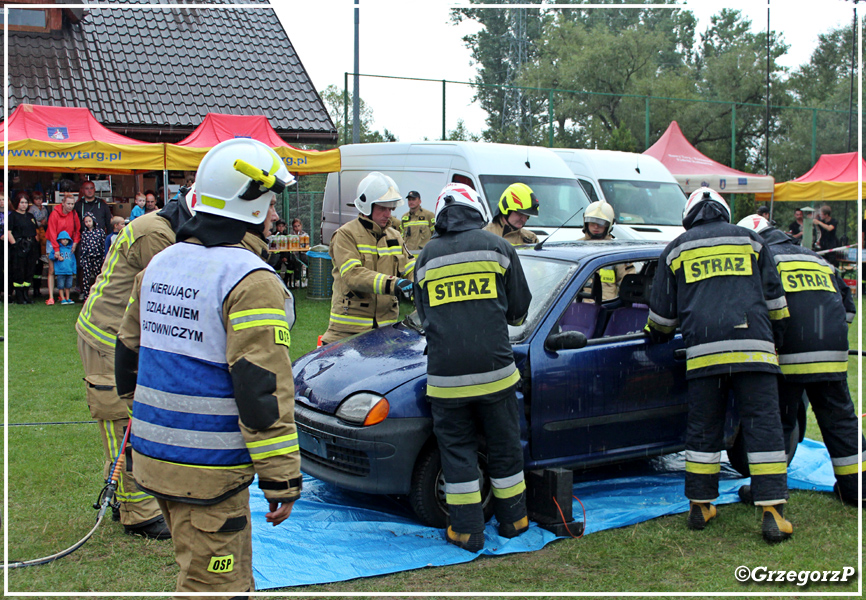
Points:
(593, 391)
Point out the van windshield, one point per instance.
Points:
(644, 202)
(558, 198)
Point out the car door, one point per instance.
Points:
(615, 398)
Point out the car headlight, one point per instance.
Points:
(364, 408)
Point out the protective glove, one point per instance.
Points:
(403, 287)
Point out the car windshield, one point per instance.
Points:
(558, 198)
(645, 202)
(545, 278)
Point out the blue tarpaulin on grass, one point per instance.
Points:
(335, 535)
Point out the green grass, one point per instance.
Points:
(55, 473)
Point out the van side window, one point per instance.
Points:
(463, 179)
(589, 189)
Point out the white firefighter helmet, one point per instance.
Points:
(238, 178)
(459, 193)
(377, 188)
(701, 194)
(190, 199)
(756, 223)
(599, 212)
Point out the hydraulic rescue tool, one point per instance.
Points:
(105, 500)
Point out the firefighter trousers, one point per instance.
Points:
(136, 507)
(457, 425)
(213, 544)
(757, 402)
(837, 420)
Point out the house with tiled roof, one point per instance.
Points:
(153, 73)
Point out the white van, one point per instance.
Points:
(427, 167)
(646, 198)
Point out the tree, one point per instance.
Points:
(461, 133)
(823, 83)
(334, 102)
(501, 48)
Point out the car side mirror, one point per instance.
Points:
(566, 340)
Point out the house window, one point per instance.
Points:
(26, 19)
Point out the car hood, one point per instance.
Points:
(376, 361)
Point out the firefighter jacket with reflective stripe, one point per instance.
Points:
(718, 283)
(417, 228)
(367, 264)
(135, 246)
(816, 340)
(515, 237)
(469, 288)
(214, 399)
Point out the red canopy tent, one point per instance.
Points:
(833, 177)
(692, 169)
(64, 139)
(216, 128)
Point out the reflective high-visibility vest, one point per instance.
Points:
(184, 409)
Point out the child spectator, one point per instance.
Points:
(116, 225)
(138, 209)
(64, 266)
(92, 252)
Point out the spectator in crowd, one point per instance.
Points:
(280, 261)
(764, 211)
(88, 202)
(40, 213)
(300, 258)
(149, 201)
(116, 225)
(64, 266)
(138, 209)
(91, 253)
(22, 241)
(795, 229)
(3, 235)
(62, 218)
(827, 225)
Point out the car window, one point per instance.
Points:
(645, 202)
(546, 278)
(561, 199)
(611, 302)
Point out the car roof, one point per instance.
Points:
(582, 250)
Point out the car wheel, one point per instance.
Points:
(427, 495)
(739, 458)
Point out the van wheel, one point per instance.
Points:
(427, 495)
(739, 458)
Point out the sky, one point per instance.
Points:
(415, 39)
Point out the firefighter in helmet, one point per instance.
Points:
(471, 373)
(814, 354)
(204, 346)
(598, 220)
(516, 204)
(718, 284)
(372, 267)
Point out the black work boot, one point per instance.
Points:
(512, 530)
(473, 542)
(700, 513)
(745, 494)
(155, 529)
(774, 527)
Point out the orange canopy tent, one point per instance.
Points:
(66, 139)
(215, 128)
(833, 177)
(692, 169)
